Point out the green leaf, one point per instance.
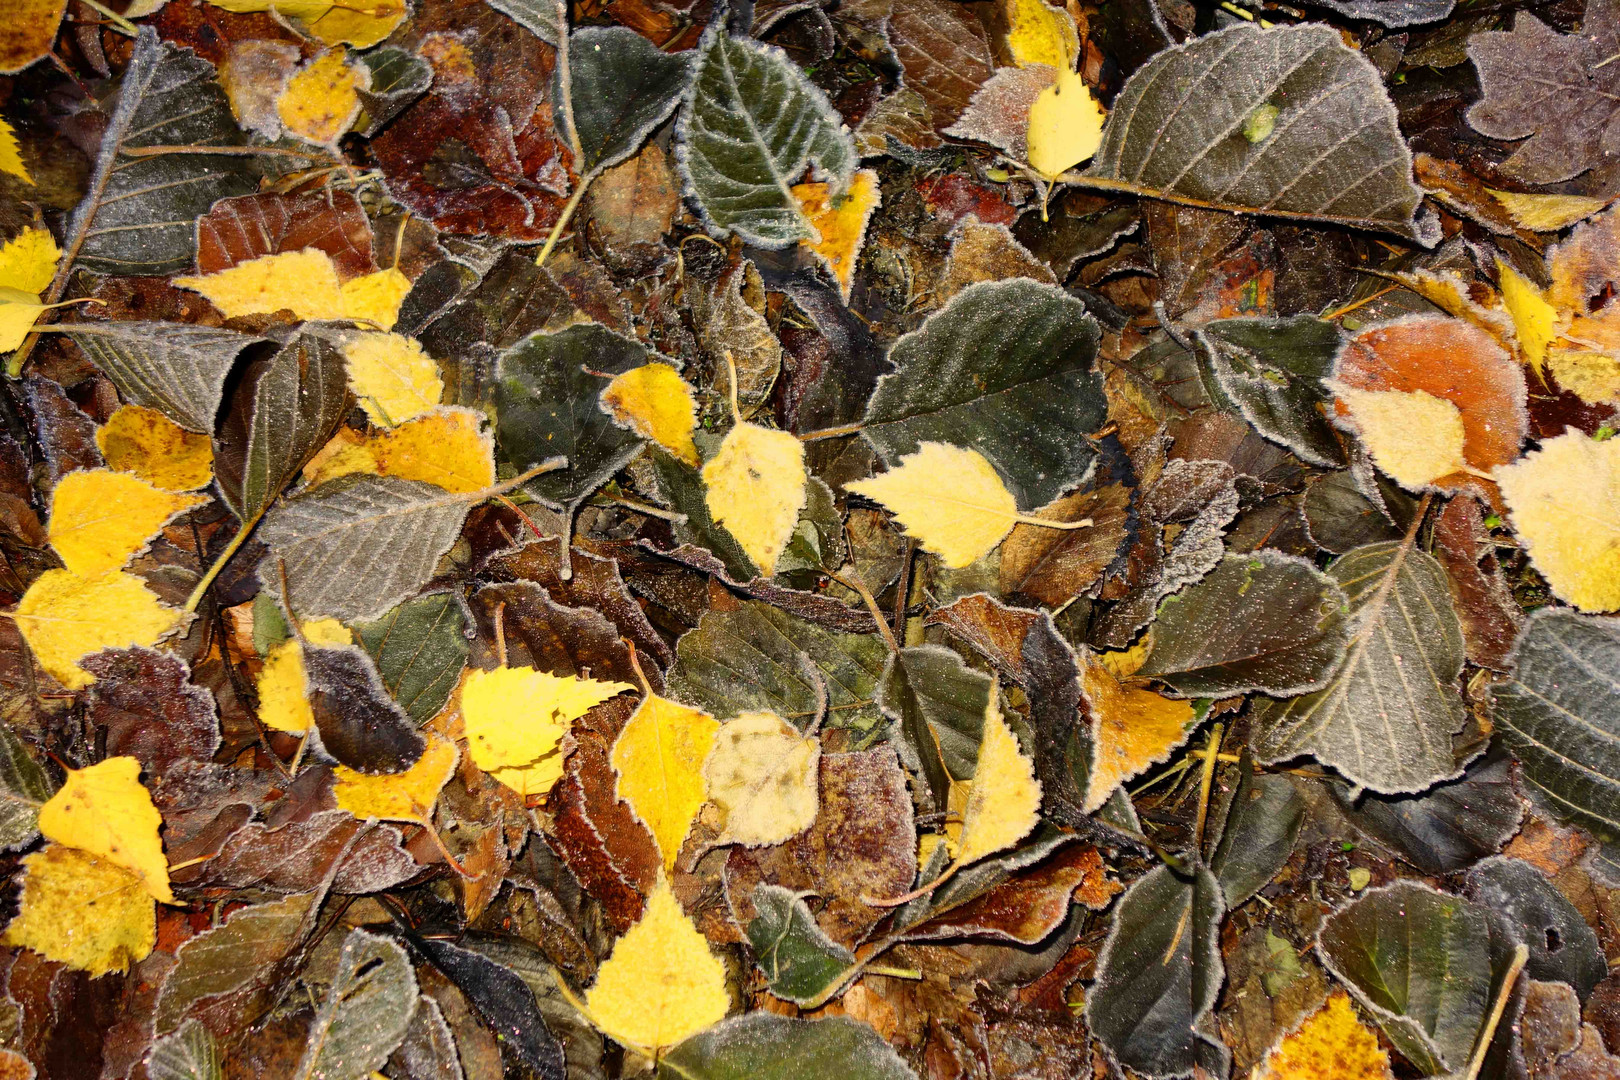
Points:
(1007, 368)
(939, 702)
(1264, 621)
(365, 1013)
(1158, 975)
(753, 121)
(547, 395)
(188, 1053)
(175, 368)
(24, 788)
(1386, 718)
(1262, 822)
(1339, 516)
(763, 1046)
(419, 648)
(140, 215)
(246, 955)
(1334, 152)
(797, 957)
(1419, 961)
(623, 86)
(1272, 369)
(398, 78)
(542, 18)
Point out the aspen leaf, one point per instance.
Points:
(100, 518)
(1065, 125)
(104, 810)
(1004, 803)
(65, 617)
(88, 913)
(516, 715)
(755, 489)
(392, 377)
(1415, 437)
(304, 283)
(658, 759)
(656, 403)
(405, 796)
(154, 448)
(1331, 1044)
(11, 162)
(661, 984)
(28, 261)
(1564, 502)
(1135, 727)
(762, 774)
(321, 100)
(1535, 321)
(447, 447)
(1038, 34)
(839, 222)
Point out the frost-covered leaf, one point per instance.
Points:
(1386, 717)
(366, 1011)
(244, 955)
(24, 788)
(623, 86)
(1449, 827)
(751, 124)
(1273, 369)
(175, 368)
(542, 18)
(1181, 128)
(359, 724)
(764, 1046)
(419, 648)
(940, 703)
(1563, 948)
(796, 956)
(1007, 368)
(1262, 822)
(397, 78)
(188, 1053)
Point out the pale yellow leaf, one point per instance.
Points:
(393, 379)
(448, 447)
(1547, 213)
(658, 759)
(405, 796)
(148, 444)
(950, 499)
(656, 403)
(1590, 375)
(763, 776)
(1065, 126)
(1415, 437)
(755, 489)
(1564, 502)
(1004, 803)
(18, 312)
(99, 518)
(65, 617)
(104, 810)
(88, 913)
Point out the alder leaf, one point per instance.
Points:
(1181, 129)
(762, 776)
(542, 18)
(795, 955)
(623, 86)
(24, 788)
(1264, 621)
(1563, 948)
(837, 1048)
(1273, 370)
(419, 648)
(359, 724)
(369, 1005)
(176, 368)
(1386, 717)
(940, 704)
(752, 122)
(1007, 368)
(140, 214)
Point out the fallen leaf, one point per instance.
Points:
(1065, 124)
(28, 261)
(305, 283)
(361, 23)
(155, 449)
(283, 684)
(1564, 500)
(661, 984)
(447, 447)
(103, 810)
(1134, 727)
(1331, 1044)
(88, 913)
(1547, 213)
(1535, 321)
(755, 487)
(1004, 803)
(839, 222)
(761, 774)
(321, 99)
(658, 759)
(1415, 437)
(656, 403)
(100, 519)
(516, 718)
(1039, 34)
(11, 162)
(65, 617)
(405, 796)
(392, 377)
(29, 32)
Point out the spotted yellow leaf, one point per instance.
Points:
(88, 913)
(656, 403)
(755, 489)
(448, 447)
(1564, 502)
(65, 617)
(658, 759)
(1065, 125)
(361, 23)
(100, 518)
(157, 450)
(1331, 1044)
(763, 776)
(1004, 803)
(322, 99)
(304, 283)
(392, 378)
(840, 223)
(405, 796)
(103, 809)
(28, 261)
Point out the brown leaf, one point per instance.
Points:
(634, 204)
(1490, 616)
(1555, 1043)
(1031, 905)
(944, 54)
(67, 437)
(548, 636)
(251, 226)
(983, 252)
(297, 856)
(1053, 566)
(998, 113)
(145, 702)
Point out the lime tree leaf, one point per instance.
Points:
(795, 954)
(1158, 975)
(751, 124)
(175, 368)
(1386, 717)
(24, 788)
(419, 648)
(141, 212)
(188, 1053)
(1264, 621)
(357, 546)
(760, 658)
(365, 1013)
(1263, 820)
(1180, 130)
(1272, 369)
(1007, 368)
(1419, 961)
(763, 1046)
(547, 395)
(940, 704)
(623, 86)
(1560, 715)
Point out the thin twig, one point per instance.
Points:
(1521, 956)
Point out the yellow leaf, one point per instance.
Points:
(1564, 500)
(515, 715)
(1591, 376)
(302, 282)
(321, 100)
(361, 23)
(656, 403)
(283, 684)
(1535, 321)
(1004, 802)
(28, 261)
(65, 617)
(1547, 213)
(88, 913)
(1136, 728)
(661, 984)
(406, 796)
(27, 32)
(1038, 34)
(534, 779)
(100, 518)
(658, 759)
(1332, 1044)
(11, 161)
(18, 310)
(763, 775)
(1065, 126)
(375, 298)
(950, 499)
(1413, 436)
(156, 449)
(392, 377)
(294, 9)
(756, 488)
(840, 222)
(104, 810)
(447, 447)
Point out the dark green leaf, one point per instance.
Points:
(1264, 622)
(246, 955)
(366, 1011)
(542, 18)
(798, 958)
(419, 648)
(623, 87)
(398, 78)
(1339, 516)
(1179, 129)
(1272, 369)
(1563, 948)
(175, 368)
(763, 1046)
(24, 788)
(1007, 368)
(1263, 820)
(940, 704)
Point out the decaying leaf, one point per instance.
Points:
(762, 776)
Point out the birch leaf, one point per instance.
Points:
(950, 499)
(658, 760)
(89, 913)
(65, 617)
(103, 810)
(100, 519)
(1004, 803)
(762, 776)
(1564, 500)
(755, 488)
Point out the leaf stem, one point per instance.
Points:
(1211, 754)
(1521, 956)
(562, 222)
(1030, 519)
(832, 432)
(121, 24)
(224, 557)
